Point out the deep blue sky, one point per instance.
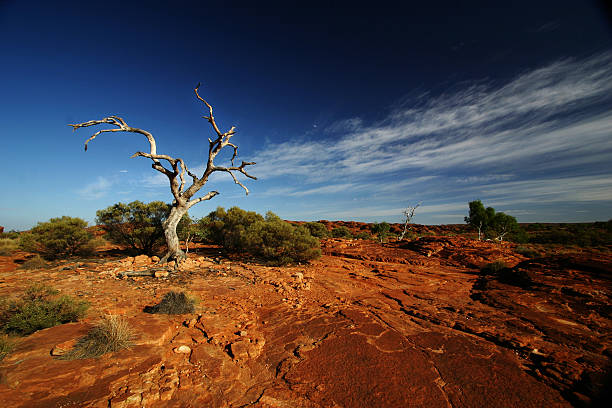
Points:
(351, 113)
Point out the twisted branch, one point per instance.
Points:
(179, 168)
(208, 196)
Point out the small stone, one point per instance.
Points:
(299, 276)
(63, 348)
(161, 274)
(242, 333)
(142, 260)
(165, 393)
(155, 258)
(182, 350)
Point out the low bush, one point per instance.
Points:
(112, 333)
(173, 303)
(39, 308)
(8, 246)
(363, 235)
(59, 238)
(280, 243)
(341, 232)
(271, 239)
(592, 234)
(317, 229)
(12, 234)
(410, 236)
(381, 230)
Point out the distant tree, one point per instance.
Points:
(381, 230)
(479, 217)
(183, 198)
(494, 224)
(408, 216)
(503, 224)
(137, 225)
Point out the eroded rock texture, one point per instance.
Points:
(401, 325)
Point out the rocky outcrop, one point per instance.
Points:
(369, 325)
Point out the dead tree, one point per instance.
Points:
(408, 216)
(176, 171)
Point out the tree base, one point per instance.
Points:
(176, 256)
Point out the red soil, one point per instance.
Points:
(368, 325)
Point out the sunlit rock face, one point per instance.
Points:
(401, 324)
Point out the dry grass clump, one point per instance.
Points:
(173, 303)
(111, 334)
(7, 344)
(8, 246)
(36, 262)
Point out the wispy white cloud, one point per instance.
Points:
(541, 112)
(505, 141)
(96, 189)
(551, 190)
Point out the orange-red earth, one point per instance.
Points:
(402, 324)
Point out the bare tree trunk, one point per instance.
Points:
(183, 198)
(408, 216)
(175, 253)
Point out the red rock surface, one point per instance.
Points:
(368, 325)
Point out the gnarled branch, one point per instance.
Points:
(207, 197)
(176, 174)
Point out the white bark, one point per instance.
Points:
(408, 216)
(183, 196)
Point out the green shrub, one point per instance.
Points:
(173, 303)
(138, 226)
(228, 228)
(7, 345)
(12, 234)
(280, 243)
(341, 232)
(519, 236)
(363, 235)
(271, 239)
(112, 333)
(381, 230)
(8, 246)
(582, 234)
(59, 238)
(411, 235)
(39, 308)
(317, 229)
